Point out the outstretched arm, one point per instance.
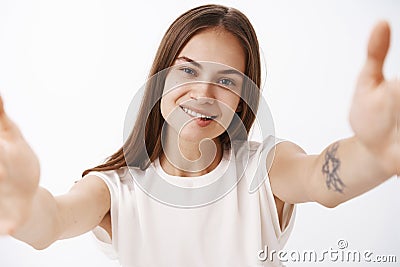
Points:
(344, 170)
(30, 213)
(352, 166)
(50, 218)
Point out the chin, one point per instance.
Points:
(197, 135)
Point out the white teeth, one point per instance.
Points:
(197, 115)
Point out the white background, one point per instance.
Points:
(68, 70)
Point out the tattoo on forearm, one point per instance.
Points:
(331, 169)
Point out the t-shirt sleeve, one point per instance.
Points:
(103, 240)
(282, 229)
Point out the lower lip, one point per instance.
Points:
(203, 123)
(200, 122)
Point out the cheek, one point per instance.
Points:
(169, 101)
(227, 104)
(230, 100)
(163, 107)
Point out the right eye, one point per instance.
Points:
(188, 71)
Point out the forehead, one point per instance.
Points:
(216, 45)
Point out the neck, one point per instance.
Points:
(187, 158)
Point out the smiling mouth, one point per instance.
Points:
(195, 114)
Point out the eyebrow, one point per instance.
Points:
(191, 61)
(198, 65)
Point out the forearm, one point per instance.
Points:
(42, 226)
(346, 169)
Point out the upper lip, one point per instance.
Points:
(200, 111)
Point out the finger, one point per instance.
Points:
(378, 46)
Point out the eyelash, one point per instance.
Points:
(189, 71)
(230, 82)
(193, 72)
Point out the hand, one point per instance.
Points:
(375, 110)
(19, 175)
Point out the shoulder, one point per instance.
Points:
(114, 179)
(290, 171)
(268, 144)
(285, 152)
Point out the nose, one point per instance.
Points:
(205, 100)
(203, 93)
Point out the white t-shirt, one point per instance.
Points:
(153, 227)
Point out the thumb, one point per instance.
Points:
(3, 115)
(5, 122)
(378, 46)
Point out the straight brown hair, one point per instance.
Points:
(143, 145)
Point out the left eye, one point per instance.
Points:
(226, 82)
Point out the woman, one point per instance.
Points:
(231, 229)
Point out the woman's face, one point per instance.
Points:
(202, 89)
